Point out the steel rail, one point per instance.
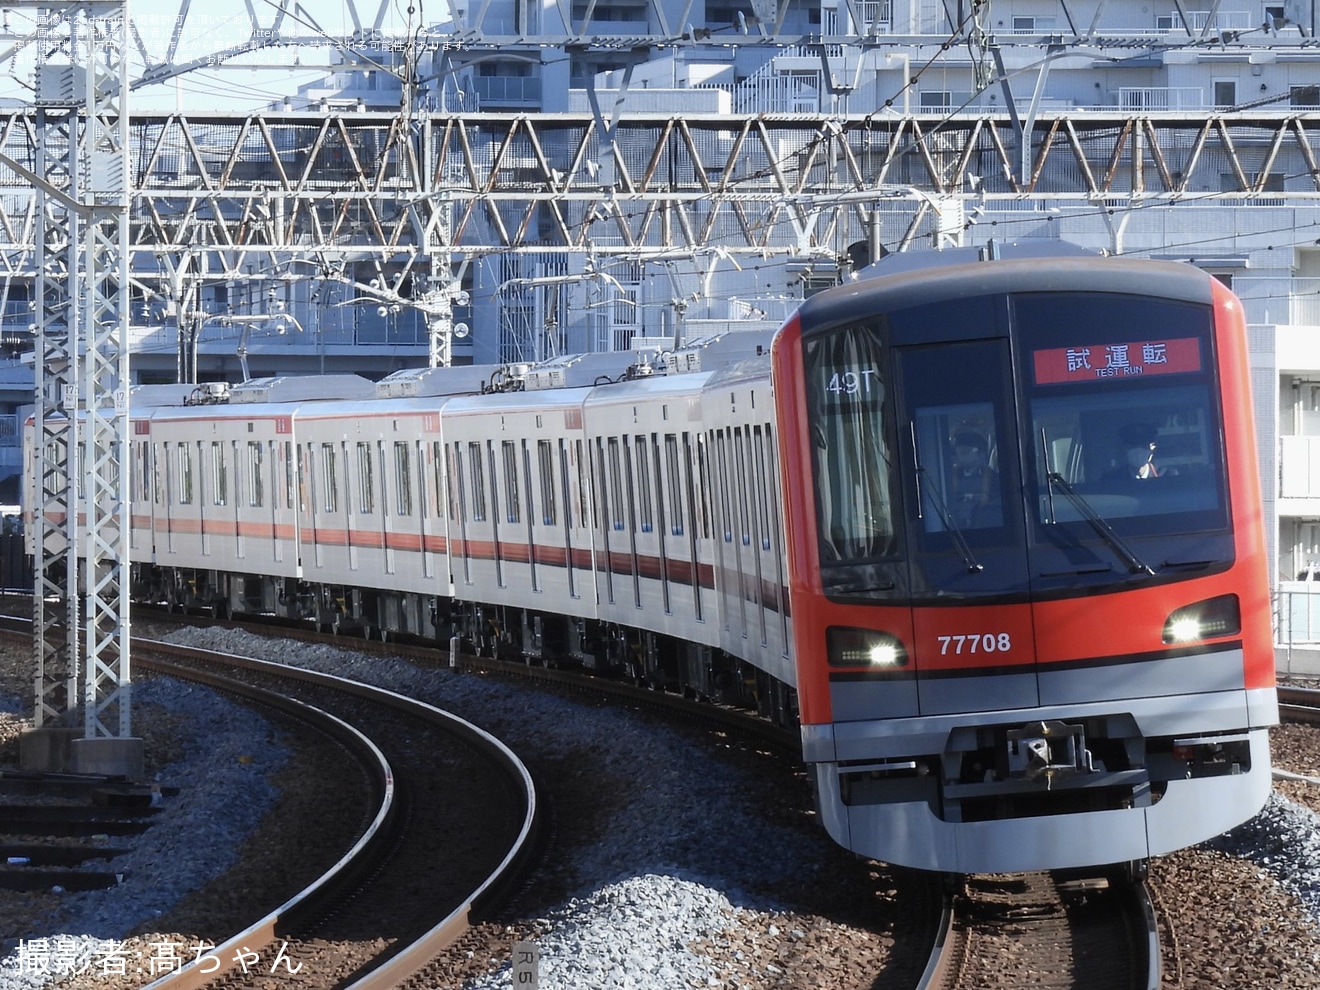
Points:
(1300, 704)
(263, 930)
(414, 957)
(946, 953)
(1154, 955)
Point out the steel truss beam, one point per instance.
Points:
(363, 185)
(217, 196)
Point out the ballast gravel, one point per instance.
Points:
(694, 869)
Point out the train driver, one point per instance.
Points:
(1140, 452)
(974, 483)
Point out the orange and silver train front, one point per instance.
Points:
(1031, 616)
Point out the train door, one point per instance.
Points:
(424, 503)
(311, 491)
(662, 514)
(240, 483)
(697, 487)
(460, 490)
(276, 539)
(386, 544)
(566, 492)
(607, 503)
(630, 520)
(726, 557)
(547, 500)
(958, 445)
(495, 513)
(358, 497)
(772, 545)
(203, 484)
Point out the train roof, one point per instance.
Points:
(1072, 273)
(453, 380)
(302, 388)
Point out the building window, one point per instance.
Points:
(1225, 92)
(1305, 96)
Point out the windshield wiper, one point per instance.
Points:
(973, 566)
(1106, 532)
(949, 524)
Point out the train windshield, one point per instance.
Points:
(855, 478)
(1001, 446)
(1124, 425)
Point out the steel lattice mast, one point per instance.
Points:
(81, 178)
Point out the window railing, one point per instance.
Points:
(1161, 98)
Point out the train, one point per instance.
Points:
(984, 524)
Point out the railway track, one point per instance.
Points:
(1026, 930)
(397, 898)
(1299, 704)
(404, 899)
(1044, 931)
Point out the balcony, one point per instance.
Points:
(1156, 98)
(1299, 472)
(507, 91)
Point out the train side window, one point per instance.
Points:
(584, 490)
(743, 504)
(722, 468)
(763, 486)
(185, 474)
(645, 519)
(453, 480)
(441, 474)
(304, 476)
(478, 482)
(140, 474)
(255, 493)
(403, 491)
(458, 490)
(675, 478)
(545, 460)
(616, 485)
(366, 484)
(290, 486)
(219, 476)
(512, 503)
(329, 478)
(704, 492)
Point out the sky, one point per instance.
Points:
(210, 26)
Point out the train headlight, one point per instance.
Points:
(848, 647)
(1213, 617)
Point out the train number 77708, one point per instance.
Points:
(975, 643)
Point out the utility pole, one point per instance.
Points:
(80, 606)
